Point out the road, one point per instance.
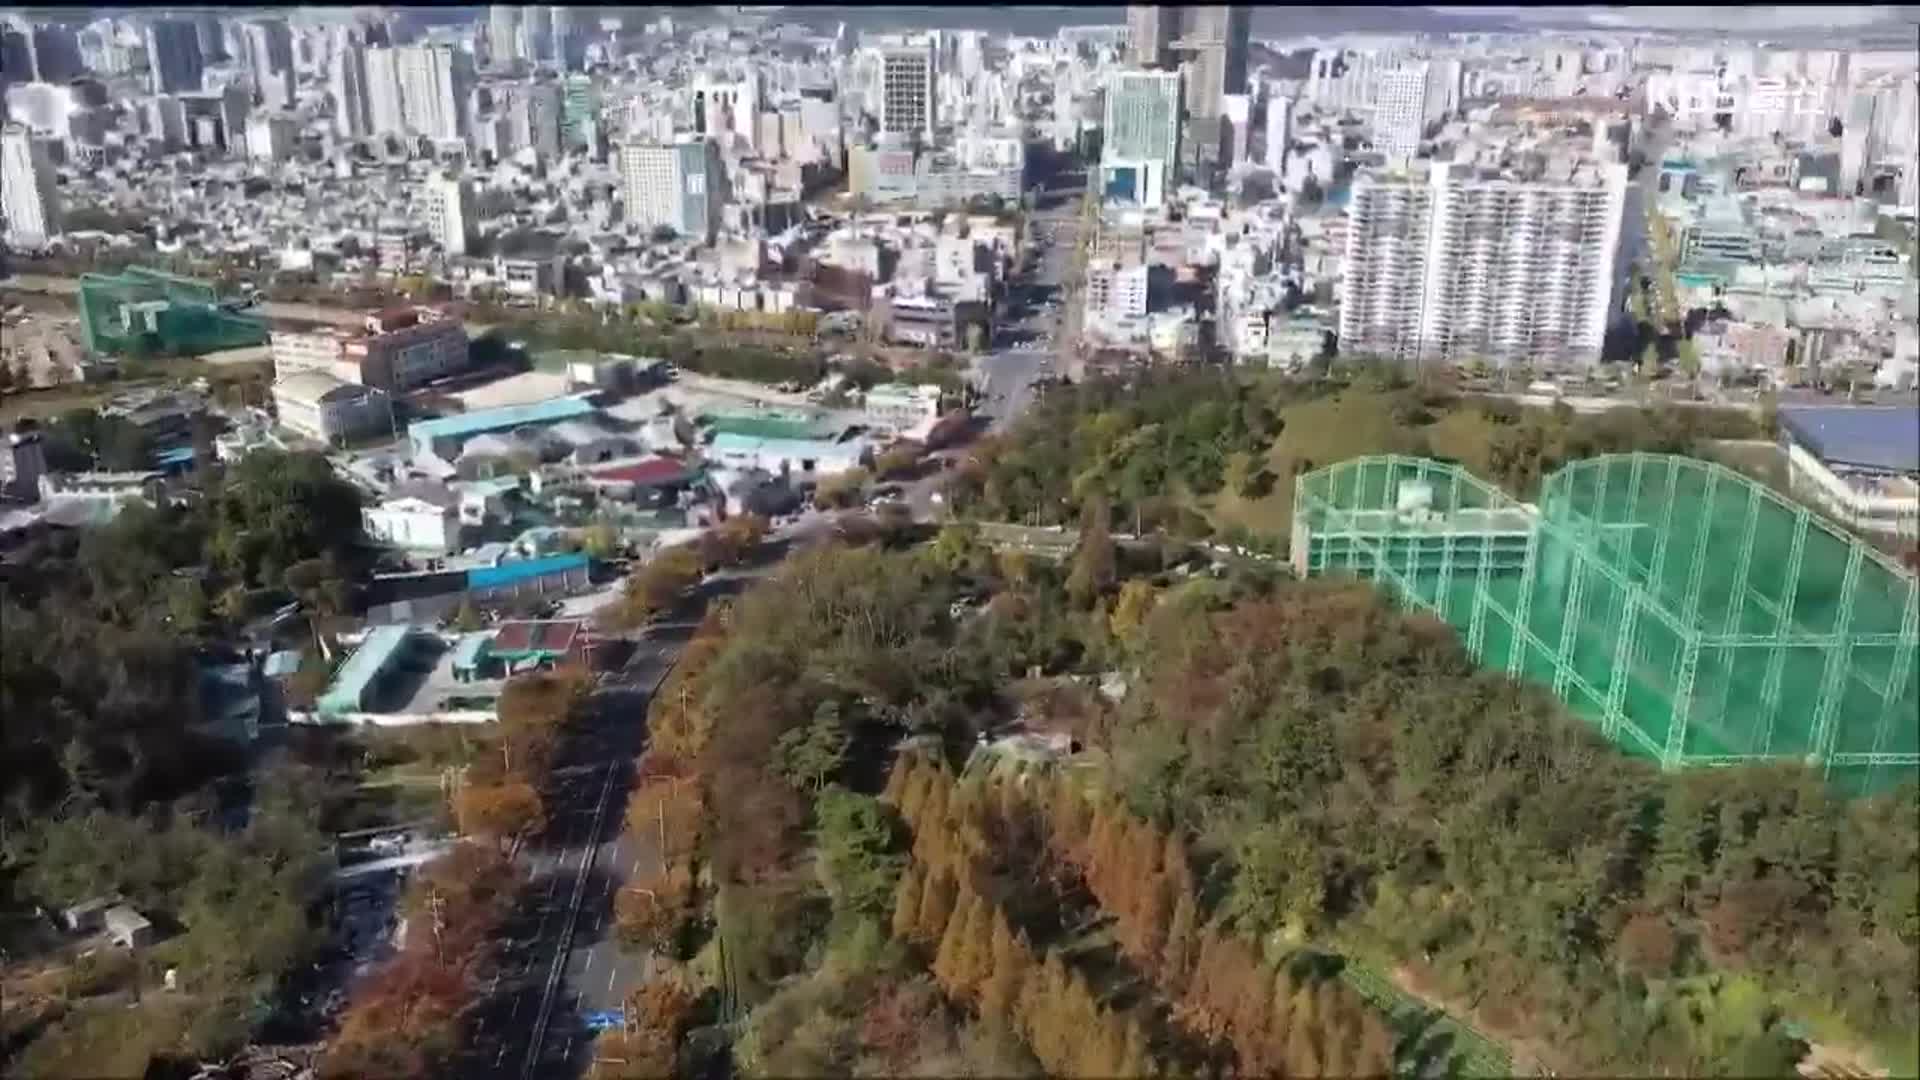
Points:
(1031, 339)
(561, 960)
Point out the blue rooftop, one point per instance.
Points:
(1886, 438)
(349, 690)
(551, 411)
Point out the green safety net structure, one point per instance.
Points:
(146, 312)
(1693, 615)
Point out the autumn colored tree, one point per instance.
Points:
(668, 810)
(652, 912)
(1647, 946)
(499, 812)
(907, 898)
(936, 910)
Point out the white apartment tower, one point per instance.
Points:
(386, 106)
(503, 34)
(451, 213)
(347, 80)
(678, 185)
(1402, 107)
(906, 91)
(267, 47)
(1461, 264)
(434, 80)
(27, 194)
(1279, 130)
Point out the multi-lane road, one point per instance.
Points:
(561, 961)
(1031, 341)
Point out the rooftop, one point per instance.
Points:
(350, 683)
(1874, 437)
(507, 418)
(549, 637)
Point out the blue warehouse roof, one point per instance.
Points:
(349, 690)
(503, 419)
(1871, 437)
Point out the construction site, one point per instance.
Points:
(1692, 615)
(142, 312)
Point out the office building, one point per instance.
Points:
(1450, 263)
(174, 58)
(1142, 121)
(679, 186)
(906, 92)
(347, 81)
(27, 191)
(1140, 155)
(267, 50)
(451, 213)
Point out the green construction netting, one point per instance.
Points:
(1696, 617)
(141, 312)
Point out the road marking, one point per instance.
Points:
(516, 1007)
(589, 966)
(499, 1056)
(610, 976)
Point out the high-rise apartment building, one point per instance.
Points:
(27, 193)
(1402, 108)
(536, 33)
(267, 49)
(1279, 130)
(451, 213)
(503, 35)
(1151, 30)
(55, 53)
(1449, 263)
(434, 81)
(1213, 42)
(906, 91)
(680, 185)
(386, 107)
(568, 37)
(347, 81)
(16, 55)
(173, 56)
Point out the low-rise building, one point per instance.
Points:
(414, 524)
(1861, 464)
(394, 350)
(902, 408)
(322, 407)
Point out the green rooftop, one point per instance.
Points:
(768, 425)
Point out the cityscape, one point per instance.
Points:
(596, 543)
